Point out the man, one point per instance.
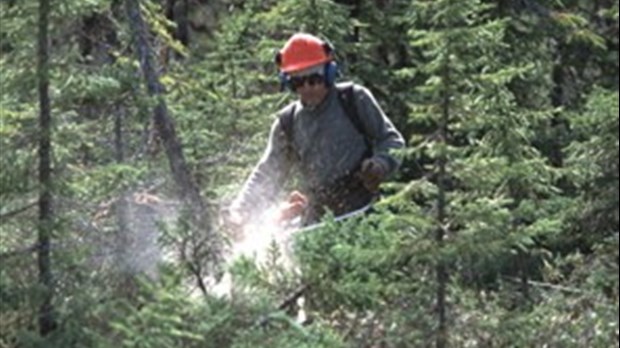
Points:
(341, 148)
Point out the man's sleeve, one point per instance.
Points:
(267, 177)
(384, 136)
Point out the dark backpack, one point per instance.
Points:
(347, 100)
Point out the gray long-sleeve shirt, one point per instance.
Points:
(326, 147)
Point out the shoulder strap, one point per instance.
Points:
(286, 121)
(347, 100)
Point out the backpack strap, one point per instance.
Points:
(347, 100)
(346, 97)
(286, 122)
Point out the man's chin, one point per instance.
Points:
(311, 103)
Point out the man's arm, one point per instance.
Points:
(267, 177)
(383, 135)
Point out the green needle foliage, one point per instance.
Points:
(499, 230)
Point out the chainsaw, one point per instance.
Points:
(290, 214)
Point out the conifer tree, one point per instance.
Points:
(490, 246)
(491, 186)
(46, 217)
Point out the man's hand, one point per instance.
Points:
(372, 173)
(294, 206)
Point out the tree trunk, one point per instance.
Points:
(46, 310)
(177, 11)
(441, 271)
(164, 126)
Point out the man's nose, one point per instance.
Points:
(303, 87)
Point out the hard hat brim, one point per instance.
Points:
(291, 68)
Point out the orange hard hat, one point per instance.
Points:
(303, 51)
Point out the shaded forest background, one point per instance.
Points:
(127, 124)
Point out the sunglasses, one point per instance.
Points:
(313, 79)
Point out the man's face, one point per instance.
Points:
(309, 84)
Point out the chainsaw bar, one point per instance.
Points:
(294, 227)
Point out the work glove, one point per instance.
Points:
(372, 172)
(293, 207)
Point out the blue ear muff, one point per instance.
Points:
(331, 72)
(284, 84)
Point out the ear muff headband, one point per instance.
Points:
(331, 72)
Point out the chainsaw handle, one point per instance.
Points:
(294, 206)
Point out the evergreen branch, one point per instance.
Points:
(17, 252)
(290, 300)
(9, 214)
(65, 245)
(284, 305)
(547, 286)
(537, 8)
